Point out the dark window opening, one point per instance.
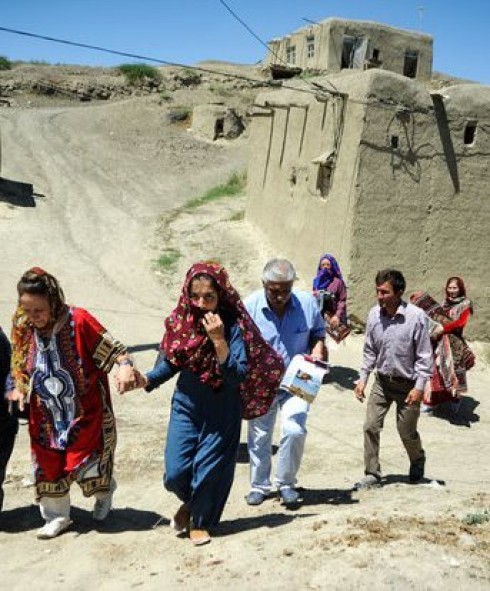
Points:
(219, 126)
(470, 133)
(348, 47)
(324, 178)
(394, 141)
(411, 63)
(373, 61)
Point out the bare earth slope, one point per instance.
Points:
(103, 176)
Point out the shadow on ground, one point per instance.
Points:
(269, 520)
(143, 347)
(464, 417)
(326, 496)
(20, 519)
(403, 479)
(119, 520)
(341, 377)
(17, 193)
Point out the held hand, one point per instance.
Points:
(214, 326)
(16, 395)
(126, 378)
(413, 397)
(359, 391)
(334, 321)
(141, 380)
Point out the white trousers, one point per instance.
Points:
(294, 412)
(58, 508)
(55, 508)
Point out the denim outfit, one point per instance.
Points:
(289, 335)
(203, 433)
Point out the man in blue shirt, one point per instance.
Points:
(291, 323)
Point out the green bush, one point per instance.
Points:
(169, 258)
(477, 518)
(5, 64)
(138, 72)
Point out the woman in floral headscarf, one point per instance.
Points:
(329, 288)
(60, 359)
(227, 371)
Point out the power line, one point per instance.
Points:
(155, 60)
(271, 84)
(243, 23)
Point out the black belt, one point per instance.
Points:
(397, 379)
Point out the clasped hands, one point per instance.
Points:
(129, 378)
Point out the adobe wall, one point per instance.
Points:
(460, 204)
(424, 207)
(418, 202)
(396, 150)
(390, 41)
(289, 131)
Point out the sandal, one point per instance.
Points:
(199, 537)
(180, 522)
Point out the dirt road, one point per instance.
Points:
(102, 176)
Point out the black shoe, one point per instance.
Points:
(417, 469)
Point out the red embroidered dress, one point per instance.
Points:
(71, 424)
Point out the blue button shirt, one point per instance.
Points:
(290, 334)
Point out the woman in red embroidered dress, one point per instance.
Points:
(60, 359)
(452, 356)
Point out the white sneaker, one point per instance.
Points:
(103, 506)
(54, 528)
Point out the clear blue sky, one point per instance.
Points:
(188, 31)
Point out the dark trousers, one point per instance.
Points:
(383, 393)
(8, 431)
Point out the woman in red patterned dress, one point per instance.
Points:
(60, 359)
(452, 356)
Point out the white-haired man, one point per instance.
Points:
(291, 323)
